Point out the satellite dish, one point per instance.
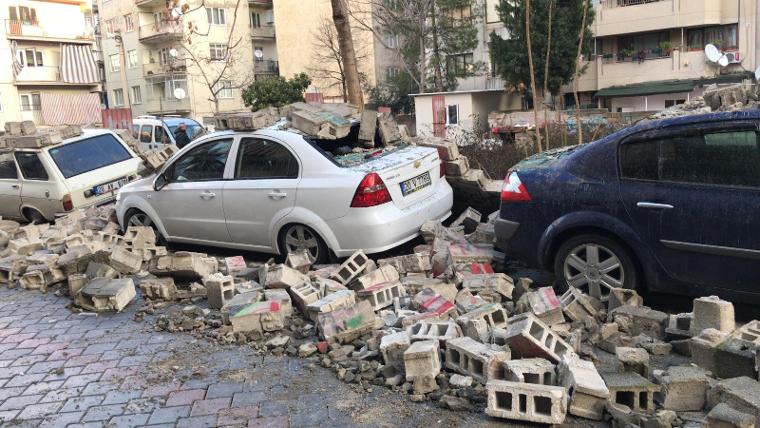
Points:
(173, 53)
(258, 54)
(712, 53)
(757, 74)
(179, 93)
(723, 61)
(176, 13)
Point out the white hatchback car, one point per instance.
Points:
(276, 191)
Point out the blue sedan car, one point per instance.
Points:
(672, 205)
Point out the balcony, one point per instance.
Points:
(150, 3)
(263, 32)
(156, 69)
(679, 65)
(167, 105)
(161, 32)
(49, 75)
(614, 17)
(266, 66)
(32, 31)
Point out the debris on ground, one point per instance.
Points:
(439, 324)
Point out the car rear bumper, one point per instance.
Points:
(380, 228)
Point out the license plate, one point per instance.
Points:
(109, 187)
(414, 184)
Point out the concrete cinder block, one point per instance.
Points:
(703, 348)
(684, 389)
(351, 268)
(33, 280)
(388, 128)
(235, 264)
(392, 348)
(76, 282)
(220, 288)
(679, 326)
(428, 300)
(347, 324)
(576, 306)
(741, 393)
(381, 295)
(712, 312)
(636, 320)
(589, 392)
(383, 274)
(546, 306)
(13, 128)
(530, 370)
(238, 302)
(632, 390)
(368, 128)
(422, 359)
(140, 236)
(479, 323)
(410, 263)
(528, 336)
(618, 297)
(282, 297)
(498, 282)
(125, 261)
(185, 265)
(725, 416)
(282, 276)
(481, 361)
(634, 360)
(526, 402)
(447, 150)
(469, 219)
(103, 294)
(442, 331)
(28, 127)
(257, 317)
(157, 288)
(735, 356)
(299, 260)
(331, 302)
(304, 295)
(466, 302)
(468, 253)
(24, 246)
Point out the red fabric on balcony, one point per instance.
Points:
(70, 109)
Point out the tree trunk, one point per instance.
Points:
(546, 70)
(436, 53)
(577, 73)
(346, 43)
(423, 59)
(536, 98)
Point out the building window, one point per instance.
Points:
(132, 59)
(723, 36)
(459, 65)
(129, 24)
(216, 16)
(459, 16)
(671, 103)
(391, 41)
(392, 72)
(255, 20)
(223, 89)
(27, 15)
(30, 102)
(109, 26)
(644, 46)
(452, 114)
(30, 57)
(118, 97)
(218, 51)
(136, 95)
(115, 63)
(163, 56)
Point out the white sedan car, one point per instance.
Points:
(276, 192)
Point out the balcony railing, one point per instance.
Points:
(266, 66)
(178, 65)
(609, 4)
(263, 32)
(641, 56)
(161, 32)
(48, 73)
(155, 105)
(15, 28)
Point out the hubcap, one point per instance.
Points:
(301, 238)
(593, 268)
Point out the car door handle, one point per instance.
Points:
(208, 195)
(277, 195)
(654, 205)
(15, 186)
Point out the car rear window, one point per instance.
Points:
(89, 154)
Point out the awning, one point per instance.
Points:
(70, 109)
(648, 88)
(78, 64)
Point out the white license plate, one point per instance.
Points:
(414, 184)
(109, 187)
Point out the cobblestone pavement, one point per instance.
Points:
(59, 368)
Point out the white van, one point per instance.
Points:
(152, 132)
(41, 183)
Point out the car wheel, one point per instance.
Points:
(139, 218)
(593, 263)
(34, 216)
(296, 237)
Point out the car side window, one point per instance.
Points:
(732, 158)
(638, 160)
(31, 166)
(203, 163)
(159, 134)
(259, 158)
(135, 131)
(146, 133)
(8, 169)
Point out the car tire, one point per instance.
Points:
(298, 236)
(34, 216)
(135, 217)
(592, 263)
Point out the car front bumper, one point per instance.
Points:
(380, 228)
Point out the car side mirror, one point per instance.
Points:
(161, 181)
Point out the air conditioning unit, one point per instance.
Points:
(733, 57)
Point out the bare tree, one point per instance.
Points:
(578, 69)
(347, 53)
(536, 98)
(546, 71)
(327, 61)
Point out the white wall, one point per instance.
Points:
(651, 102)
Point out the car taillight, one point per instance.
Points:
(371, 192)
(514, 190)
(68, 205)
(442, 170)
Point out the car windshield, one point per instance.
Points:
(192, 129)
(89, 154)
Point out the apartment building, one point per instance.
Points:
(165, 62)
(299, 28)
(48, 73)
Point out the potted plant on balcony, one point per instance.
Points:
(625, 55)
(608, 57)
(666, 48)
(718, 43)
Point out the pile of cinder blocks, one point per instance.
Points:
(25, 135)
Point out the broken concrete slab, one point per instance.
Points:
(588, 393)
(684, 388)
(725, 416)
(741, 393)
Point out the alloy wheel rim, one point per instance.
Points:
(593, 268)
(300, 238)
